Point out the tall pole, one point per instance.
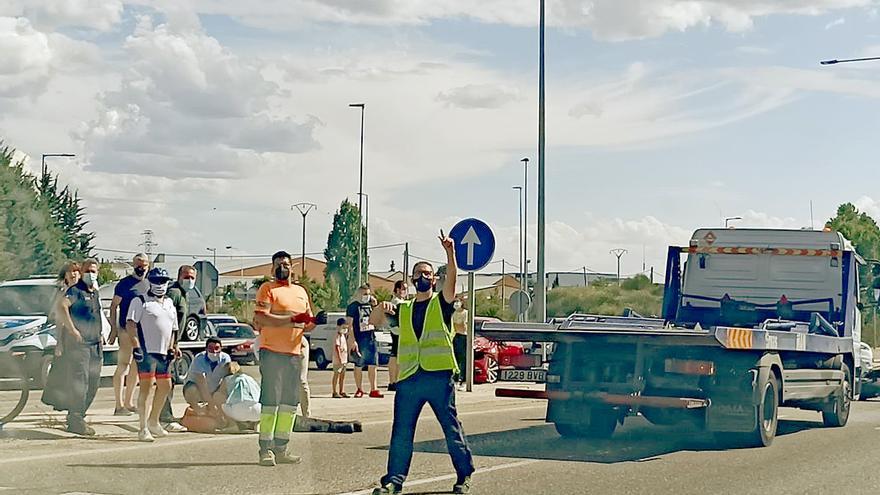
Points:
(503, 277)
(405, 260)
(469, 359)
(304, 209)
(540, 289)
(362, 106)
(522, 277)
(214, 292)
(585, 277)
(618, 252)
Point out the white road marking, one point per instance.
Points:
(218, 438)
(445, 477)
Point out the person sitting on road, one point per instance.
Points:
(205, 374)
(340, 359)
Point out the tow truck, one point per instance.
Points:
(754, 319)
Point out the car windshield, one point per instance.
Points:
(235, 332)
(26, 300)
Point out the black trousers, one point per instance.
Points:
(459, 347)
(83, 362)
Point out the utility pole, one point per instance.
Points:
(304, 209)
(148, 244)
(585, 277)
(540, 289)
(522, 275)
(362, 106)
(503, 277)
(405, 260)
(213, 292)
(618, 252)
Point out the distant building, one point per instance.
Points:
(314, 270)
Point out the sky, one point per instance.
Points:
(205, 122)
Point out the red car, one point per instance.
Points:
(490, 357)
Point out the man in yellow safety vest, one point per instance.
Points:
(426, 361)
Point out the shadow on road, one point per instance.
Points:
(639, 442)
(164, 465)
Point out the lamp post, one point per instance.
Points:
(728, 219)
(847, 60)
(304, 209)
(214, 292)
(618, 252)
(362, 106)
(522, 276)
(50, 155)
(540, 289)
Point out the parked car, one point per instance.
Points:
(870, 373)
(491, 357)
(321, 341)
(244, 353)
(212, 320)
(194, 328)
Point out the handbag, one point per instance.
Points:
(56, 390)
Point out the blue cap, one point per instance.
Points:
(158, 275)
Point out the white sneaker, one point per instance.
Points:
(175, 427)
(157, 431)
(461, 387)
(145, 436)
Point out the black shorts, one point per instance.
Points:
(154, 366)
(395, 341)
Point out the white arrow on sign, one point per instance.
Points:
(470, 239)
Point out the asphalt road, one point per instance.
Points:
(516, 453)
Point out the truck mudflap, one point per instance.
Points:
(606, 398)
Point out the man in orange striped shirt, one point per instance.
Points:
(283, 313)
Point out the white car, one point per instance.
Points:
(321, 342)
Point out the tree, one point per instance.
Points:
(342, 253)
(862, 231)
(106, 274)
(606, 298)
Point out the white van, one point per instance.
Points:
(321, 342)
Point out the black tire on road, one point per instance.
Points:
(321, 360)
(766, 419)
(180, 367)
(603, 422)
(191, 329)
(836, 412)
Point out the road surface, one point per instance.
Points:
(516, 453)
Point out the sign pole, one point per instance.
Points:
(472, 304)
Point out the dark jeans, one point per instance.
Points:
(438, 390)
(83, 363)
(459, 346)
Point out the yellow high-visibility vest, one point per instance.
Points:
(433, 351)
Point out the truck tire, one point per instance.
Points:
(321, 360)
(766, 419)
(602, 424)
(836, 412)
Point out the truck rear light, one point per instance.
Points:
(689, 367)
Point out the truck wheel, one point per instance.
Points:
(836, 412)
(180, 367)
(602, 424)
(766, 416)
(191, 328)
(321, 360)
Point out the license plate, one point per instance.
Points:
(524, 375)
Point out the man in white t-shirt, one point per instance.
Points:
(152, 323)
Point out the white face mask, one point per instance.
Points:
(90, 279)
(343, 330)
(457, 305)
(187, 284)
(365, 298)
(159, 290)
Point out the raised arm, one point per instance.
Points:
(451, 268)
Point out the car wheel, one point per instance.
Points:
(180, 367)
(492, 369)
(42, 374)
(191, 329)
(321, 360)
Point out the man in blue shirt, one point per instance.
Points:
(205, 374)
(126, 290)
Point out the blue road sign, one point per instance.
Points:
(474, 244)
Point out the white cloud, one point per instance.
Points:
(188, 107)
(608, 19)
(478, 96)
(101, 15)
(836, 22)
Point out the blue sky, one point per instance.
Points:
(662, 117)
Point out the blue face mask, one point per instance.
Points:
(423, 284)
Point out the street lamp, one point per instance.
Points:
(618, 252)
(540, 289)
(522, 277)
(362, 106)
(846, 60)
(214, 292)
(304, 209)
(728, 219)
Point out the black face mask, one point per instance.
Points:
(140, 271)
(423, 284)
(282, 273)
